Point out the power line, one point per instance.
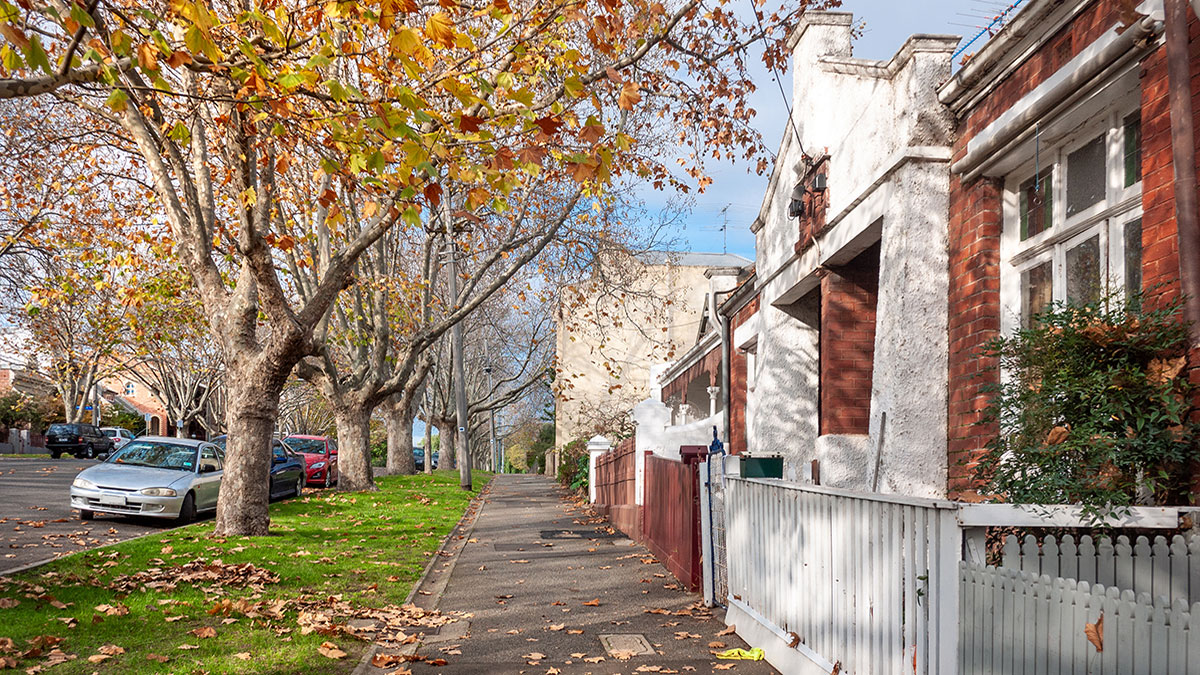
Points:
(775, 76)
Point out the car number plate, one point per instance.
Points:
(112, 500)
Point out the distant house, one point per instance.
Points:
(635, 314)
(25, 380)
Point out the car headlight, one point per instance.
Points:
(83, 483)
(317, 465)
(159, 492)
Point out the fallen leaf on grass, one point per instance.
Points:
(157, 657)
(98, 658)
(245, 656)
(186, 646)
(204, 632)
(111, 650)
(173, 619)
(9, 603)
(331, 651)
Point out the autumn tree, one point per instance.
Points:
(398, 99)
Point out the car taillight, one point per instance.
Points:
(81, 439)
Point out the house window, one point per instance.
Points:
(130, 389)
(1075, 219)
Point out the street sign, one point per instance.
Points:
(146, 416)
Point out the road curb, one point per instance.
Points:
(463, 529)
(35, 565)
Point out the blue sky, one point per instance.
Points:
(888, 25)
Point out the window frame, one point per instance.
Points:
(1107, 218)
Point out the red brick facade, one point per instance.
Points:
(739, 381)
(709, 366)
(848, 297)
(976, 221)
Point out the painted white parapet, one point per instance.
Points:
(652, 417)
(596, 447)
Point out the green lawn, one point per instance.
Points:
(13, 456)
(334, 554)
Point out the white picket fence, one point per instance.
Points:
(855, 583)
(1020, 623)
(1168, 569)
(830, 580)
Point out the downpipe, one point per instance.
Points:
(1183, 161)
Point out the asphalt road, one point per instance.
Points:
(36, 521)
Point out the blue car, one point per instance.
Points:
(287, 468)
(419, 458)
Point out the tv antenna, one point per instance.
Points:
(723, 228)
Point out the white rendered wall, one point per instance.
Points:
(888, 139)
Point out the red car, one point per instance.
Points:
(320, 458)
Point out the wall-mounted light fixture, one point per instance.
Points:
(796, 206)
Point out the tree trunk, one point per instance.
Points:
(354, 448)
(428, 446)
(447, 457)
(400, 458)
(242, 501)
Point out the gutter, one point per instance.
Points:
(1069, 89)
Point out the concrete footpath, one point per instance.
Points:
(552, 590)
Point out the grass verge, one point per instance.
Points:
(197, 605)
(13, 456)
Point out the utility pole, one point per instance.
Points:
(456, 353)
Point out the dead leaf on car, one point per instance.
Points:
(1095, 633)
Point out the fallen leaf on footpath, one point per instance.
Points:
(723, 666)
(727, 631)
(556, 626)
(595, 602)
(623, 654)
(594, 659)
(575, 631)
(716, 645)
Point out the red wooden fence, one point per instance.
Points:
(671, 520)
(616, 480)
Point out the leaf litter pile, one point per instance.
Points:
(330, 579)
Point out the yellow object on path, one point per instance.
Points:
(755, 654)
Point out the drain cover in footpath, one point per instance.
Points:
(626, 644)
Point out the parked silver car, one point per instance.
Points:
(152, 476)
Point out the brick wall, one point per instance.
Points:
(976, 219)
(739, 381)
(848, 297)
(710, 366)
(974, 319)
